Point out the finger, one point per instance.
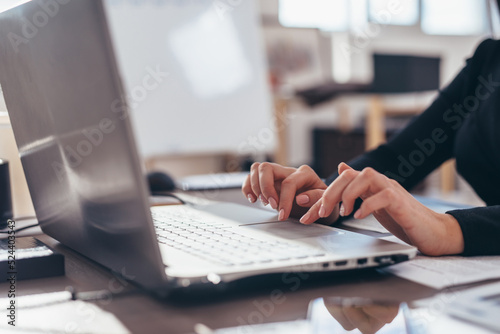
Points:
(246, 189)
(363, 321)
(308, 198)
(342, 167)
(269, 173)
(368, 181)
(331, 197)
(254, 181)
(337, 313)
(384, 200)
(301, 178)
(312, 215)
(358, 318)
(381, 200)
(333, 194)
(383, 313)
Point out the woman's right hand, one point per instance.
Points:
(290, 191)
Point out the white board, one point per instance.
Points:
(215, 97)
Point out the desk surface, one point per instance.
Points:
(143, 314)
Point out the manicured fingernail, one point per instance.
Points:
(322, 211)
(302, 199)
(342, 210)
(251, 198)
(263, 200)
(273, 203)
(305, 218)
(357, 214)
(281, 216)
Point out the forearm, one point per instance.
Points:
(453, 240)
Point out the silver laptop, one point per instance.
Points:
(61, 83)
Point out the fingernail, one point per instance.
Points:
(322, 211)
(342, 210)
(251, 199)
(273, 203)
(357, 214)
(281, 216)
(263, 200)
(302, 199)
(305, 218)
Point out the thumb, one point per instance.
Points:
(308, 198)
(343, 167)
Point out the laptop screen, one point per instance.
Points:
(61, 86)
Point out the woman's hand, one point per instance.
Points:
(291, 191)
(405, 217)
(368, 319)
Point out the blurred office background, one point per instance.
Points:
(292, 81)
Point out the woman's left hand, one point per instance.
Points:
(396, 209)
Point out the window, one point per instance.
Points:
(402, 12)
(8, 4)
(495, 19)
(454, 17)
(330, 15)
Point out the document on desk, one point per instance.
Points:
(52, 313)
(446, 271)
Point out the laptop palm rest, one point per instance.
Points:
(293, 230)
(266, 221)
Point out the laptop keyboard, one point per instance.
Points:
(217, 243)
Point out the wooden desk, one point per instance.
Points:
(143, 314)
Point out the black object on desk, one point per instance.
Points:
(405, 74)
(32, 259)
(392, 74)
(160, 182)
(5, 194)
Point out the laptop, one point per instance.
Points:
(65, 99)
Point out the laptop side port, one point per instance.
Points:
(362, 261)
(384, 260)
(341, 263)
(391, 259)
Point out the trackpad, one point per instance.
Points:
(292, 230)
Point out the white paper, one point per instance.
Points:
(55, 315)
(446, 271)
(478, 305)
(434, 321)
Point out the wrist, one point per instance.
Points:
(453, 236)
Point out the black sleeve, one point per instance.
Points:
(481, 230)
(426, 143)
